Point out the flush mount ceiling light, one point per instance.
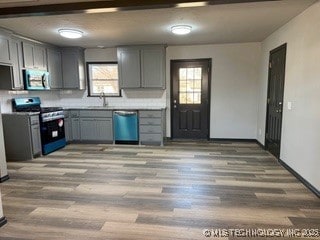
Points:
(70, 33)
(181, 29)
(192, 4)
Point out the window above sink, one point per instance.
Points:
(103, 78)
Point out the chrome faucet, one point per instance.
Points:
(103, 96)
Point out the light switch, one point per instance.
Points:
(289, 105)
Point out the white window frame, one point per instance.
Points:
(90, 94)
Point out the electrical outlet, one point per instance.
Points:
(260, 131)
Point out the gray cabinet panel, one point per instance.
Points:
(96, 129)
(28, 55)
(151, 126)
(5, 56)
(73, 72)
(36, 139)
(88, 129)
(150, 138)
(150, 121)
(40, 59)
(150, 129)
(142, 66)
(129, 68)
(68, 129)
(21, 129)
(35, 134)
(153, 67)
(55, 68)
(104, 129)
(150, 114)
(75, 129)
(34, 56)
(16, 63)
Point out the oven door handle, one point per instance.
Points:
(43, 80)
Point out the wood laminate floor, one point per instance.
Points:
(137, 192)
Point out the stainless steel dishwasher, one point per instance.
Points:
(125, 126)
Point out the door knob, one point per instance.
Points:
(175, 106)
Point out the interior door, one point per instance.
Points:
(277, 66)
(190, 99)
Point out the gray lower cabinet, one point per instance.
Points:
(21, 128)
(75, 125)
(88, 129)
(151, 126)
(104, 129)
(96, 125)
(67, 126)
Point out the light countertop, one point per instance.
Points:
(114, 108)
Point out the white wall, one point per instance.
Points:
(300, 146)
(233, 86)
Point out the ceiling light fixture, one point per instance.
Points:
(181, 29)
(70, 33)
(192, 4)
(102, 10)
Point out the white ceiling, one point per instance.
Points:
(232, 23)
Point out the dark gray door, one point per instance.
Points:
(277, 64)
(190, 98)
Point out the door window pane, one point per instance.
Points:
(183, 74)
(190, 73)
(183, 86)
(182, 98)
(189, 98)
(190, 85)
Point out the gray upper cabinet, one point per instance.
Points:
(73, 69)
(28, 58)
(55, 68)
(5, 56)
(142, 66)
(11, 78)
(40, 57)
(34, 56)
(153, 67)
(129, 67)
(16, 63)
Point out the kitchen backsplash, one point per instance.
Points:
(71, 98)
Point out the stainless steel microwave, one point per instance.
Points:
(36, 79)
